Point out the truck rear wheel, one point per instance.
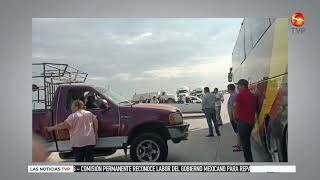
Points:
(148, 147)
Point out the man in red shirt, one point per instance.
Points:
(244, 112)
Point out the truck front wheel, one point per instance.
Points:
(148, 147)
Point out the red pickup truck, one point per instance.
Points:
(143, 128)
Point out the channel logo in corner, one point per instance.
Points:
(297, 20)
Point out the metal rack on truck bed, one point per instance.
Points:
(47, 77)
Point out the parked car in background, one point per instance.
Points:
(162, 96)
(189, 104)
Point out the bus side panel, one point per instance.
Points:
(269, 134)
(266, 69)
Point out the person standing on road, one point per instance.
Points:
(208, 101)
(154, 100)
(244, 112)
(83, 131)
(219, 99)
(231, 90)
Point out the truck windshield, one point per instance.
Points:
(113, 96)
(183, 91)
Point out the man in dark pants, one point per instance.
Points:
(244, 112)
(208, 101)
(83, 154)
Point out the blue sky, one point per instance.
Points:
(140, 55)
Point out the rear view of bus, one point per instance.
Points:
(260, 55)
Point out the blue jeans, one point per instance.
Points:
(211, 117)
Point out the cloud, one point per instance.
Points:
(121, 76)
(139, 54)
(217, 65)
(127, 39)
(142, 36)
(45, 57)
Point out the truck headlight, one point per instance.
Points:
(175, 118)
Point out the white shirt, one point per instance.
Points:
(154, 101)
(184, 99)
(220, 97)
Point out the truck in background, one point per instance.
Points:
(198, 92)
(183, 91)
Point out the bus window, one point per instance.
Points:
(248, 36)
(238, 54)
(258, 26)
(254, 29)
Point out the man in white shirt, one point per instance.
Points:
(154, 100)
(219, 99)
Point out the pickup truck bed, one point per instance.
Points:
(41, 118)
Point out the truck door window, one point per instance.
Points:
(91, 100)
(72, 96)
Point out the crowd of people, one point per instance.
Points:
(242, 107)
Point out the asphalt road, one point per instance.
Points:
(198, 147)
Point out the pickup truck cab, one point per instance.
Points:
(143, 128)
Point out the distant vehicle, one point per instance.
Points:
(143, 128)
(163, 96)
(189, 104)
(260, 55)
(183, 91)
(197, 92)
(194, 99)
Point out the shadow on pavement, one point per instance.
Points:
(198, 148)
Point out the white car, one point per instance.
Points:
(163, 96)
(189, 104)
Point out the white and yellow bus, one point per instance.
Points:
(260, 55)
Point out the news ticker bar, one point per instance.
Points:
(163, 168)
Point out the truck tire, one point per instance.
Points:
(148, 147)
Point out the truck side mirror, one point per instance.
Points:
(229, 77)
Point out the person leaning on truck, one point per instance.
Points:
(207, 104)
(83, 130)
(244, 111)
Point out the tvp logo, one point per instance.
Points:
(297, 20)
